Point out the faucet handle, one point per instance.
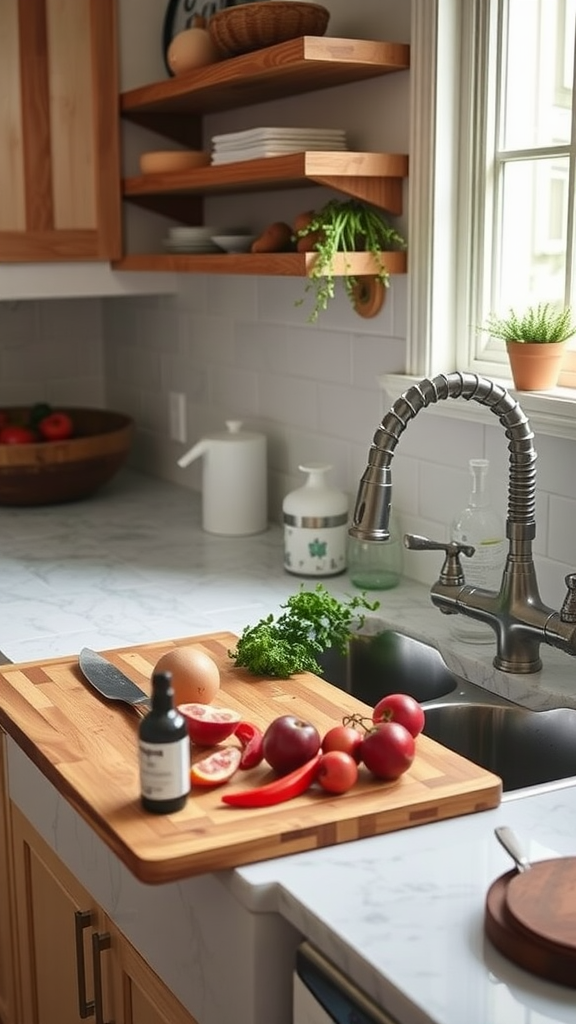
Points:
(451, 574)
(568, 610)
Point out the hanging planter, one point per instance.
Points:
(535, 343)
(346, 227)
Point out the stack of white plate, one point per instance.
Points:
(192, 239)
(255, 143)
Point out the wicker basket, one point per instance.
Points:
(50, 472)
(252, 26)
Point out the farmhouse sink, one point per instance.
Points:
(522, 746)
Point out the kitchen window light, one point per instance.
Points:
(492, 185)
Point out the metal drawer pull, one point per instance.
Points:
(99, 943)
(82, 920)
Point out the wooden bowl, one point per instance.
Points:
(51, 472)
(166, 161)
(252, 26)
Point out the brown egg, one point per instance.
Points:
(192, 48)
(195, 677)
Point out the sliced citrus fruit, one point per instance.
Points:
(216, 768)
(207, 724)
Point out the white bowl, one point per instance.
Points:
(234, 243)
(198, 233)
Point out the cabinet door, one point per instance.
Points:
(8, 1013)
(141, 996)
(59, 131)
(55, 919)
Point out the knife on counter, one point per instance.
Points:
(111, 682)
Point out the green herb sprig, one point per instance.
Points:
(349, 226)
(314, 620)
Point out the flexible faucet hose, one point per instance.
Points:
(371, 514)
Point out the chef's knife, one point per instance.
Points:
(111, 682)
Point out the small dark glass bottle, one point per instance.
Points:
(164, 748)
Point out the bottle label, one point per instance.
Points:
(316, 552)
(165, 769)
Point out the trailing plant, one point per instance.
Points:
(543, 324)
(345, 226)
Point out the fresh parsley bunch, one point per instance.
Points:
(313, 621)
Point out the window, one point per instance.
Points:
(492, 181)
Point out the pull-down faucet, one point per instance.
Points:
(516, 613)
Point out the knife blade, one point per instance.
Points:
(110, 682)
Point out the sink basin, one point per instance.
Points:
(522, 746)
(390, 662)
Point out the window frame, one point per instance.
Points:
(444, 203)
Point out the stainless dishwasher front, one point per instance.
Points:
(323, 995)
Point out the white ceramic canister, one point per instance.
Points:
(315, 526)
(234, 489)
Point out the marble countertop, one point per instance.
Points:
(133, 565)
(401, 913)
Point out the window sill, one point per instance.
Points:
(552, 413)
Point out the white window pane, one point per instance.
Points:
(534, 203)
(538, 73)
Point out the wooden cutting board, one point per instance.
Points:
(87, 747)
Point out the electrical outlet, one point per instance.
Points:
(177, 416)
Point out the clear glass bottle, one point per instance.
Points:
(481, 525)
(164, 748)
(375, 564)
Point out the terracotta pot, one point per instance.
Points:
(535, 366)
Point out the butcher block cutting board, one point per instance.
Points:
(87, 747)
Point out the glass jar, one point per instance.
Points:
(376, 564)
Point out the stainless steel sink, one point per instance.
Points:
(522, 746)
(390, 662)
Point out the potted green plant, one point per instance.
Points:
(343, 227)
(535, 342)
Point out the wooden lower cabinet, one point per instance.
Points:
(8, 1007)
(74, 963)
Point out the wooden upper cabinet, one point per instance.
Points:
(59, 131)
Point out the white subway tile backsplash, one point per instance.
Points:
(562, 530)
(235, 391)
(555, 466)
(239, 347)
(234, 297)
(348, 413)
(81, 318)
(288, 400)
(305, 353)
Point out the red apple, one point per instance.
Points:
(289, 742)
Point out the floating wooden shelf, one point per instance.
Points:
(288, 69)
(374, 177)
(279, 264)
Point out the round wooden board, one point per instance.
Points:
(548, 959)
(543, 901)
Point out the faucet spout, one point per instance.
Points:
(519, 618)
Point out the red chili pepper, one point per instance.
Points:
(285, 788)
(251, 739)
